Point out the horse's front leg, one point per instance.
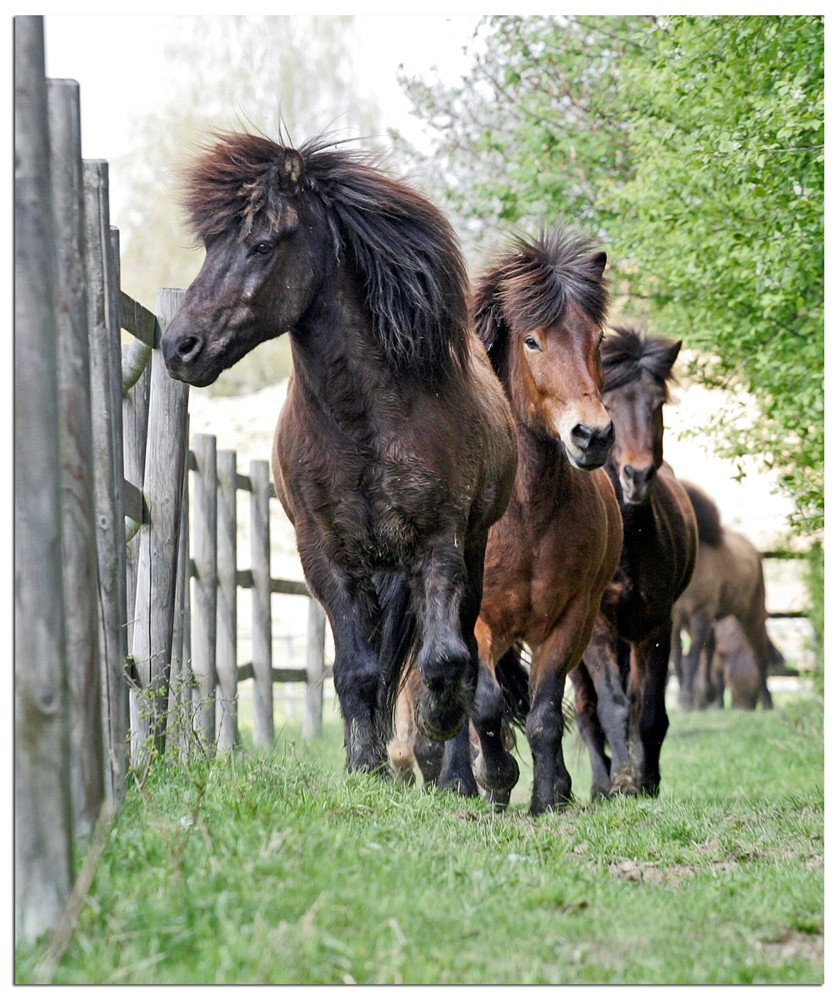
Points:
(352, 607)
(446, 660)
(495, 766)
(560, 652)
(456, 771)
(649, 721)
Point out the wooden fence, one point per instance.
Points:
(125, 633)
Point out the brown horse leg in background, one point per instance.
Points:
(604, 707)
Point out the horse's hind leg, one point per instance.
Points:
(591, 731)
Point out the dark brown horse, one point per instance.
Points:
(394, 451)
(539, 310)
(620, 687)
(728, 579)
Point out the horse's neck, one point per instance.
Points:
(543, 464)
(338, 366)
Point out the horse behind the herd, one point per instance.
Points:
(395, 457)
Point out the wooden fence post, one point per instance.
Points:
(43, 819)
(106, 411)
(76, 438)
(204, 507)
(261, 605)
(226, 617)
(163, 489)
(180, 722)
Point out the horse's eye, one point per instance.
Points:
(263, 247)
(532, 343)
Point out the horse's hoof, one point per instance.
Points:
(499, 779)
(465, 787)
(624, 784)
(439, 721)
(498, 801)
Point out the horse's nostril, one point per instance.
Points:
(581, 435)
(189, 348)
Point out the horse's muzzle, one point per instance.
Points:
(591, 445)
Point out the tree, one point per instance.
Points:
(694, 145)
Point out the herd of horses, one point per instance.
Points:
(475, 476)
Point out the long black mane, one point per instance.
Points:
(627, 354)
(531, 284)
(709, 528)
(403, 248)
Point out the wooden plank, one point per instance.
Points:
(139, 321)
(106, 412)
(279, 675)
(204, 508)
(226, 702)
(87, 765)
(163, 490)
(180, 720)
(261, 605)
(42, 808)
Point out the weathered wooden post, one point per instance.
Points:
(226, 618)
(136, 372)
(43, 819)
(204, 506)
(163, 490)
(180, 723)
(106, 412)
(76, 440)
(261, 605)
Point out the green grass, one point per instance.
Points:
(281, 869)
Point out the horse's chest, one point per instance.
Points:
(370, 507)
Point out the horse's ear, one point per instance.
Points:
(599, 263)
(290, 171)
(672, 351)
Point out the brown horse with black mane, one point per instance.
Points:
(539, 309)
(620, 686)
(391, 508)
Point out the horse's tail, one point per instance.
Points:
(395, 641)
(709, 527)
(512, 677)
(512, 673)
(775, 657)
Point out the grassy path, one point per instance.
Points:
(280, 869)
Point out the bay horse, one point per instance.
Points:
(620, 686)
(394, 451)
(728, 579)
(539, 309)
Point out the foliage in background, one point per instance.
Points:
(694, 146)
